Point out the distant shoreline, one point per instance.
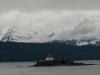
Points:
(12, 51)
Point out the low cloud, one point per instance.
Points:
(49, 25)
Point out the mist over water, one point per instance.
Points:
(49, 25)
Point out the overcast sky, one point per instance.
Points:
(28, 5)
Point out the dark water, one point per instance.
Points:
(34, 51)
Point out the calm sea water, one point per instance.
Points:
(21, 68)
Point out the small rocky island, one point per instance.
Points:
(50, 61)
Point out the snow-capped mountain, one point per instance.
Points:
(14, 34)
(41, 27)
(17, 34)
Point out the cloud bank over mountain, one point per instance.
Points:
(49, 25)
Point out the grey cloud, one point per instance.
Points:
(29, 5)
